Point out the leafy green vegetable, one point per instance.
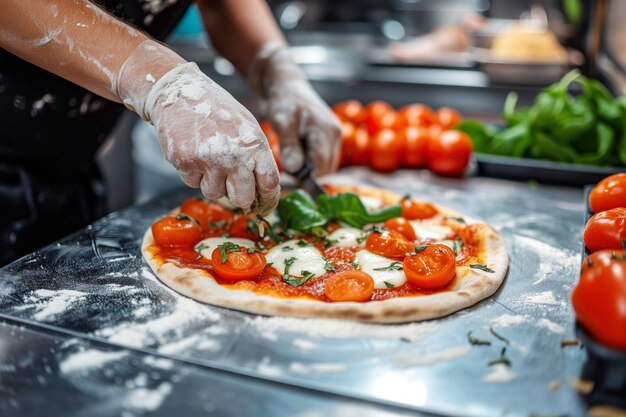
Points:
(348, 208)
(298, 211)
(587, 128)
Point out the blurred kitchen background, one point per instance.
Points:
(438, 52)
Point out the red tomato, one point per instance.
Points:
(205, 212)
(434, 131)
(385, 151)
(178, 230)
(609, 193)
(599, 298)
(351, 111)
(388, 243)
(415, 141)
(245, 227)
(359, 152)
(351, 285)
(449, 153)
(348, 131)
(447, 117)
(402, 226)
(606, 230)
(417, 115)
(273, 140)
(375, 113)
(239, 264)
(434, 267)
(413, 209)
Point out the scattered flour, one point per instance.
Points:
(150, 78)
(316, 368)
(304, 345)
(545, 297)
(417, 359)
(145, 399)
(499, 373)
(50, 303)
(266, 368)
(85, 360)
(157, 362)
(508, 320)
(342, 329)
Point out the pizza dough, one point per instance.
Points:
(469, 287)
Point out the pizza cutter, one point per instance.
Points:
(305, 179)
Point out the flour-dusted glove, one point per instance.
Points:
(295, 111)
(211, 139)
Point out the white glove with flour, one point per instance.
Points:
(209, 137)
(295, 111)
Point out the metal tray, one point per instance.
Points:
(542, 171)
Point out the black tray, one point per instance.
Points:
(542, 171)
(588, 215)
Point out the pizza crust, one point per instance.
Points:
(470, 287)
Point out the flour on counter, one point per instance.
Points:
(144, 399)
(157, 362)
(316, 368)
(343, 329)
(51, 302)
(304, 345)
(85, 360)
(418, 359)
(499, 373)
(266, 368)
(546, 297)
(508, 320)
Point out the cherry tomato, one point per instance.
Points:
(348, 131)
(449, 153)
(375, 113)
(351, 285)
(415, 142)
(388, 243)
(413, 209)
(402, 226)
(205, 212)
(351, 111)
(434, 267)
(447, 117)
(609, 193)
(240, 265)
(434, 131)
(245, 227)
(385, 151)
(606, 230)
(178, 230)
(360, 150)
(417, 115)
(600, 296)
(274, 141)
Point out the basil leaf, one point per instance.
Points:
(297, 211)
(389, 285)
(482, 267)
(394, 266)
(348, 208)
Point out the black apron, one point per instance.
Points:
(50, 131)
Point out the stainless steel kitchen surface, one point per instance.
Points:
(94, 286)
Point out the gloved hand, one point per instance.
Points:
(295, 111)
(211, 139)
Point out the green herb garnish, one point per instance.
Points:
(419, 248)
(198, 249)
(288, 263)
(329, 267)
(226, 248)
(456, 219)
(504, 339)
(394, 266)
(476, 341)
(303, 243)
(183, 216)
(306, 275)
(482, 267)
(250, 250)
(501, 360)
(457, 246)
(287, 249)
(389, 285)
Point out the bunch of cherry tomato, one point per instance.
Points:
(414, 136)
(600, 297)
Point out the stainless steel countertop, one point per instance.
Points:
(94, 285)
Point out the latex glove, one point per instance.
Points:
(211, 139)
(295, 111)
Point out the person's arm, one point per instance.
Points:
(245, 33)
(211, 139)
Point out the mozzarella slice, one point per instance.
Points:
(369, 261)
(213, 242)
(430, 230)
(307, 258)
(346, 237)
(371, 203)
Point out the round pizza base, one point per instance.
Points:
(470, 287)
